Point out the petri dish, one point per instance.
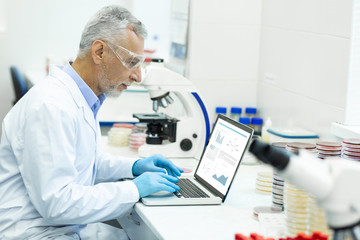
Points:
(352, 141)
(329, 144)
(301, 145)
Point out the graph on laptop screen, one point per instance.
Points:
(222, 155)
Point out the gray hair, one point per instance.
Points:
(109, 24)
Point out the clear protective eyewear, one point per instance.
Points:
(130, 60)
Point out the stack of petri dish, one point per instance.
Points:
(119, 134)
(295, 146)
(281, 145)
(140, 128)
(137, 140)
(351, 148)
(264, 182)
(317, 219)
(277, 193)
(296, 214)
(328, 149)
(278, 185)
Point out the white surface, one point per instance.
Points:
(156, 17)
(305, 45)
(323, 16)
(353, 98)
(224, 39)
(210, 222)
(205, 222)
(228, 11)
(343, 131)
(123, 151)
(2, 17)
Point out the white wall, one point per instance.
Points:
(155, 14)
(37, 29)
(224, 51)
(352, 111)
(304, 61)
(289, 58)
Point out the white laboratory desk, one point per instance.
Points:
(198, 222)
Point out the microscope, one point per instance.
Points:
(183, 136)
(333, 183)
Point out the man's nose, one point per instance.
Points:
(136, 75)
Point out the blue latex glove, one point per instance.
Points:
(151, 182)
(156, 163)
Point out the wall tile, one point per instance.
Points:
(330, 17)
(228, 93)
(311, 65)
(335, 17)
(289, 109)
(291, 14)
(226, 11)
(218, 51)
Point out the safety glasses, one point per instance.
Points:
(128, 59)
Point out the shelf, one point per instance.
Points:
(343, 131)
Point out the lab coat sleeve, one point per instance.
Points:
(112, 168)
(46, 157)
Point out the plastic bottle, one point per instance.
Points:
(256, 124)
(219, 110)
(250, 112)
(235, 113)
(264, 133)
(244, 120)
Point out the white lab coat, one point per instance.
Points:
(49, 162)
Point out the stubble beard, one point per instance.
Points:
(105, 84)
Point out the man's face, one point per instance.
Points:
(113, 76)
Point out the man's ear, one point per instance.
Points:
(97, 51)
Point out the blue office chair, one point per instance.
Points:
(19, 83)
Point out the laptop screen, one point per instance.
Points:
(222, 155)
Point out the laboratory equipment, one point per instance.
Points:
(292, 132)
(328, 149)
(256, 124)
(250, 112)
(264, 182)
(119, 134)
(184, 135)
(351, 148)
(265, 135)
(278, 184)
(331, 182)
(219, 110)
(245, 121)
(160, 127)
(213, 177)
(317, 235)
(277, 193)
(140, 128)
(136, 140)
(296, 210)
(296, 146)
(235, 113)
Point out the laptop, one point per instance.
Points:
(216, 169)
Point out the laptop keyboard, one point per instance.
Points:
(189, 190)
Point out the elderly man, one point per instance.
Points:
(54, 179)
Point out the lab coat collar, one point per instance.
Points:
(64, 78)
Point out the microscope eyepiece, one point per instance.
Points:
(270, 154)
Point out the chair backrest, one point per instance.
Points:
(19, 83)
